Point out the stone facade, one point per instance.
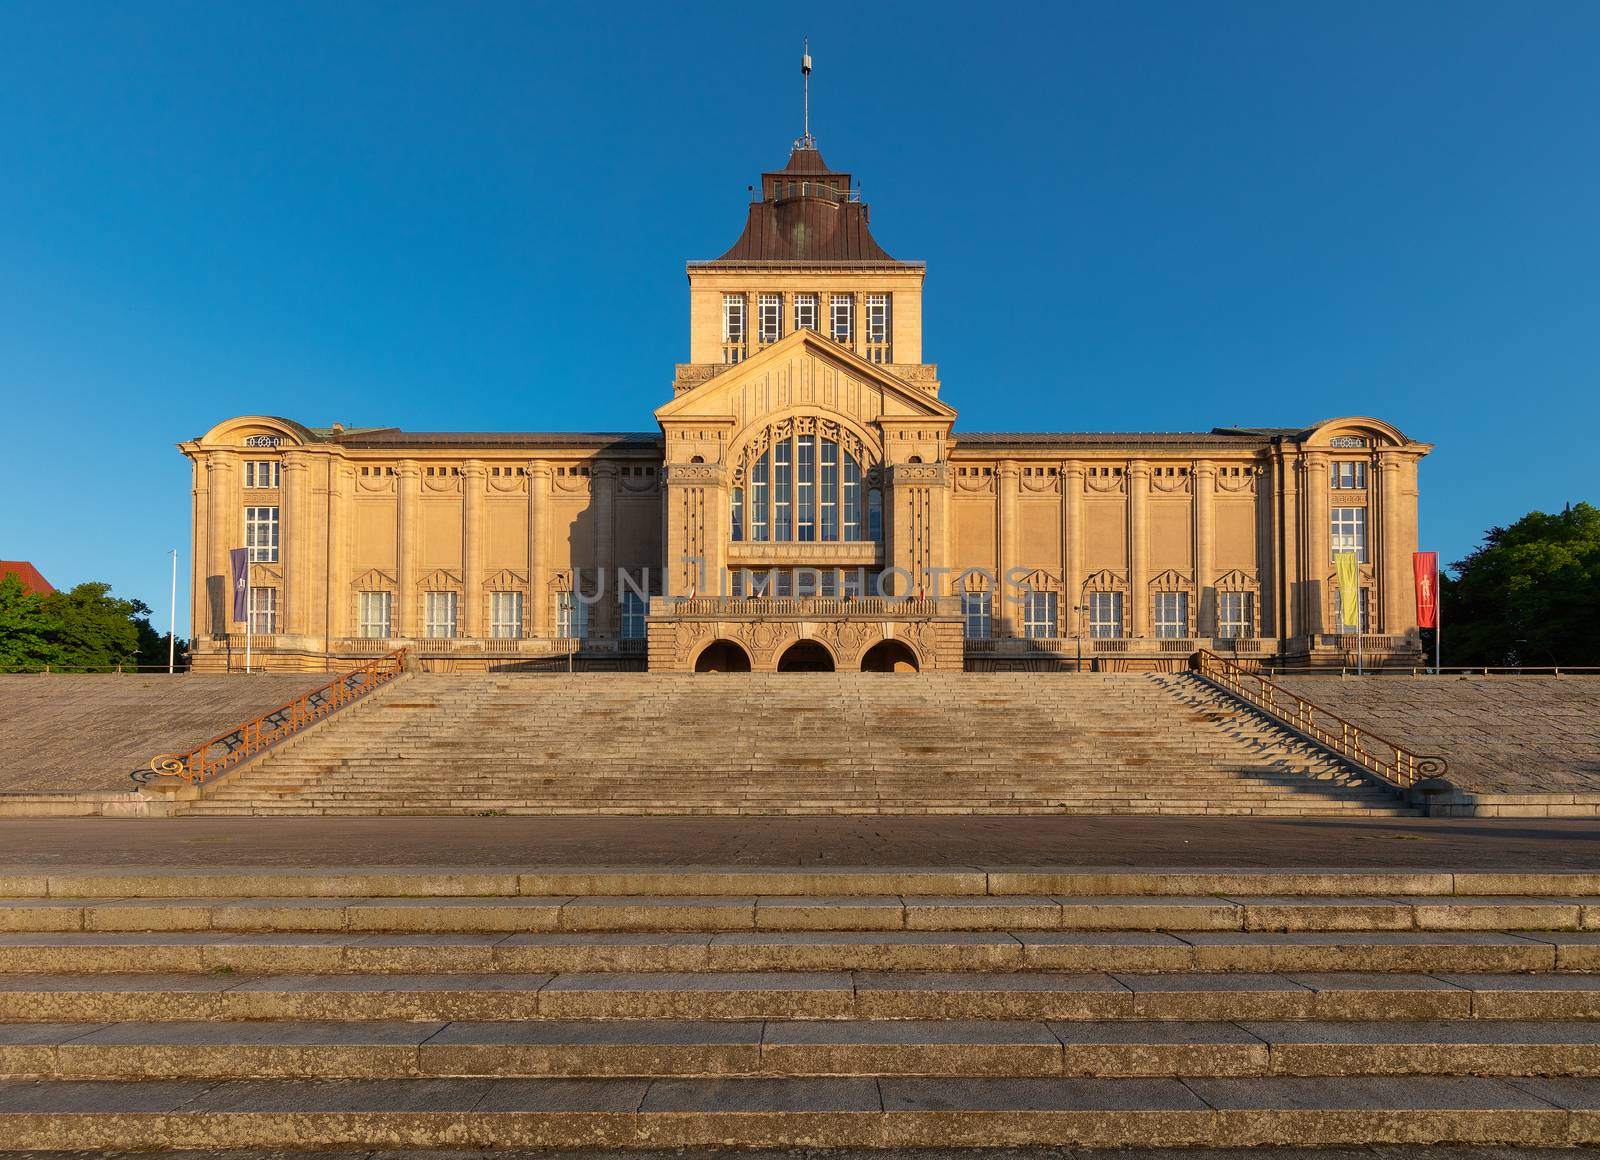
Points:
(804, 502)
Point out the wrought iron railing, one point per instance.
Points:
(212, 758)
(1392, 762)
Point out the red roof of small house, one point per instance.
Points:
(27, 573)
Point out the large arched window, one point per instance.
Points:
(805, 488)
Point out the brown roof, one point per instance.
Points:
(802, 220)
(393, 437)
(1216, 437)
(27, 574)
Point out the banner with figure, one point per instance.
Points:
(1349, 592)
(1425, 566)
(239, 559)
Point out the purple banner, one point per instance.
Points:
(240, 560)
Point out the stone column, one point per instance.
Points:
(338, 597)
(1286, 523)
(1203, 476)
(200, 549)
(227, 518)
(473, 475)
(407, 548)
(1007, 613)
(1395, 604)
(537, 613)
(1138, 548)
(1072, 576)
(294, 544)
(1318, 539)
(603, 615)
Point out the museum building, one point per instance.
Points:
(804, 503)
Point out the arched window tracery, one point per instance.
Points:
(805, 481)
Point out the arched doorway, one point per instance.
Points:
(722, 656)
(889, 656)
(806, 656)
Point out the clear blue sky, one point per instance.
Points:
(469, 216)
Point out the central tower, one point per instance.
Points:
(805, 446)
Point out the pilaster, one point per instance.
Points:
(200, 552)
(1319, 546)
(296, 539)
(1072, 575)
(603, 491)
(407, 537)
(537, 612)
(1203, 477)
(1138, 548)
(226, 523)
(1391, 566)
(1007, 481)
(473, 475)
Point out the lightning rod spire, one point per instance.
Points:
(806, 140)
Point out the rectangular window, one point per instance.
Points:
(1349, 476)
(805, 489)
(1172, 614)
(842, 314)
(874, 514)
(1039, 615)
(263, 611)
(505, 615)
(805, 312)
(852, 498)
(769, 316)
(261, 534)
(1105, 614)
(782, 481)
(975, 611)
(1348, 531)
(732, 327)
(634, 609)
(261, 473)
(439, 614)
(1236, 615)
(878, 349)
(737, 506)
(572, 616)
(376, 613)
(829, 490)
(758, 498)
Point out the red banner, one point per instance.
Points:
(1425, 565)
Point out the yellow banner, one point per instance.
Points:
(1349, 592)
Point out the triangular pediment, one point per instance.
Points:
(805, 371)
(373, 580)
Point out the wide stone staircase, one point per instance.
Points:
(598, 1009)
(799, 744)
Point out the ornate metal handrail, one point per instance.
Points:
(1392, 762)
(211, 758)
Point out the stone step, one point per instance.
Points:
(799, 1113)
(947, 951)
(980, 882)
(796, 995)
(801, 912)
(581, 1049)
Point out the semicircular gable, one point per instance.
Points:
(264, 430)
(1375, 431)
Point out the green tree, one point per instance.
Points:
(1528, 594)
(26, 629)
(85, 629)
